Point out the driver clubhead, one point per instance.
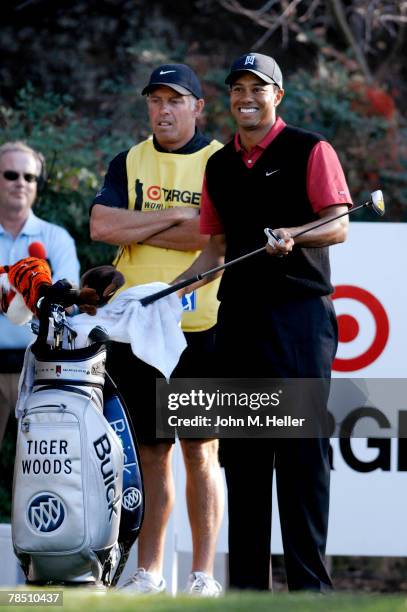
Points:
(377, 202)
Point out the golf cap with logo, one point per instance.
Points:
(179, 77)
(263, 66)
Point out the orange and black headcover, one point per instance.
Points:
(26, 281)
(21, 286)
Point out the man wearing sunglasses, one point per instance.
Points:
(21, 168)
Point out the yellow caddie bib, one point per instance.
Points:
(157, 181)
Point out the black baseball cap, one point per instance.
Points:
(179, 77)
(264, 66)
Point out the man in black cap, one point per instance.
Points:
(275, 319)
(149, 206)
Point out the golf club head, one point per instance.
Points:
(377, 202)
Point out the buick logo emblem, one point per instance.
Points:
(46, 512)
(131, 498)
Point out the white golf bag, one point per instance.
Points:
(77, 491)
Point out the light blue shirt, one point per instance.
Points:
(61, 254)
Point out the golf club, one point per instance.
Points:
(376, 203)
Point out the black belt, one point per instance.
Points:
(11, 360)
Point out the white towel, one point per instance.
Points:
(153, 332)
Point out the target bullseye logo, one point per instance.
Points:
(154, 192)
(363, 328)
(348, 328)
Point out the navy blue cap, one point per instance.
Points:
(179, 77)
(263, 66)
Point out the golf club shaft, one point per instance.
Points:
(348, 212)
(149, 299)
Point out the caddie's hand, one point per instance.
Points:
(279, 242)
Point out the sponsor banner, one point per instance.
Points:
(368, 509)
(369, 299)
(368, 492)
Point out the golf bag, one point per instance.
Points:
(78, 497)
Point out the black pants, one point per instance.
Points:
(296, 339)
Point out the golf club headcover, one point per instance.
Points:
(63, 293)
(25, 282)
(105, 280)
(88, 300)
(21, 286)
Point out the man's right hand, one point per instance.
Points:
(280, 243)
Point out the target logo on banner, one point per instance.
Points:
(363, 328)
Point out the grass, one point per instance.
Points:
(233, 602)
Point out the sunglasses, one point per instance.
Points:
(11, 175)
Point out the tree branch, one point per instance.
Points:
(339, 13)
